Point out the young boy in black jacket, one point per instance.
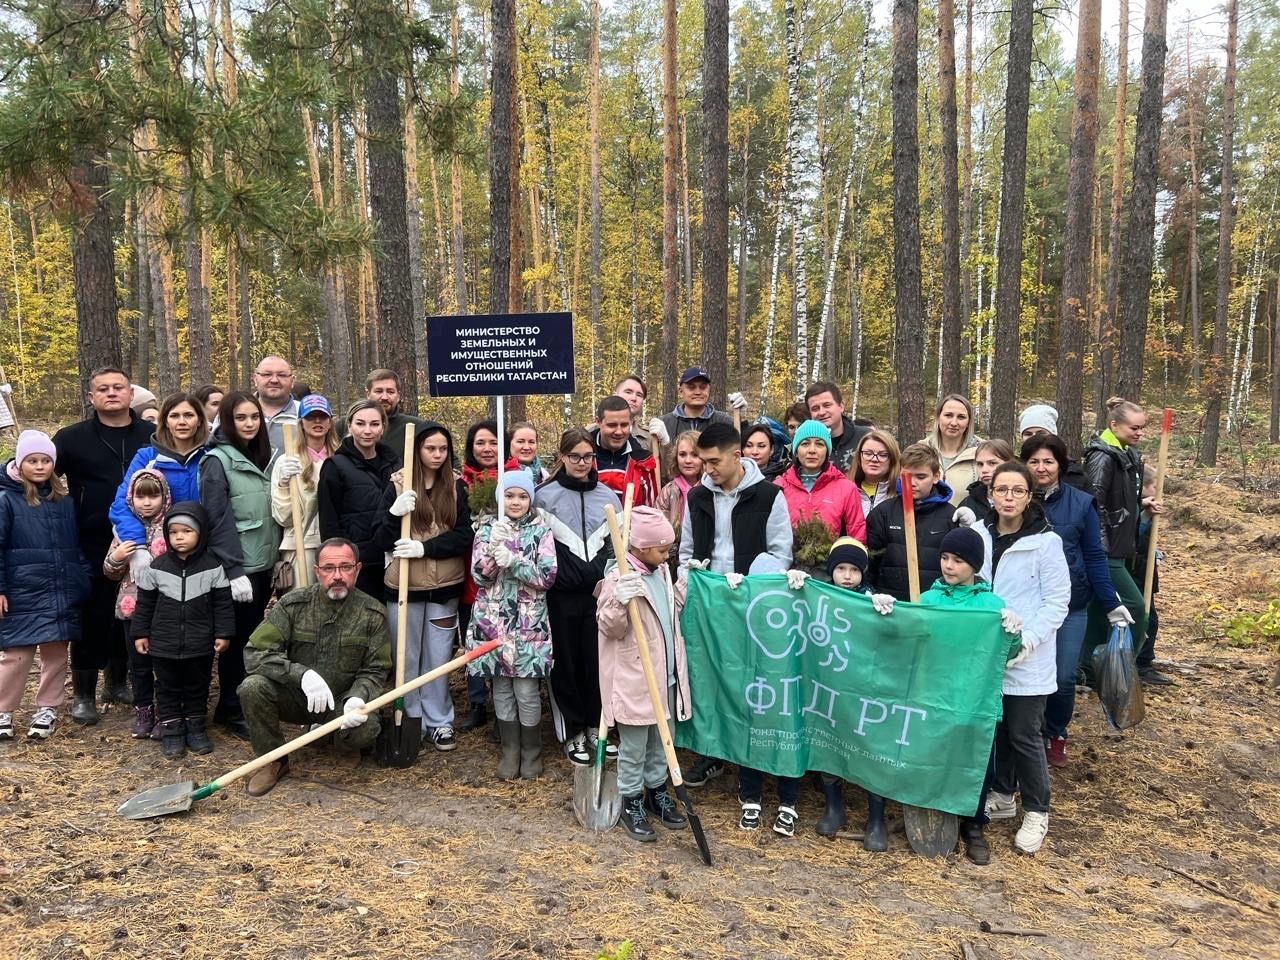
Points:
(184, 615)
(886, 529)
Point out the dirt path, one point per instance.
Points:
(1163, 841)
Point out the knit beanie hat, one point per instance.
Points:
(1039, 415)
(32, 443)
(186, 519)
(649, 528)
(965, 544)
(812, 430)
(517, 480)
(847, 550)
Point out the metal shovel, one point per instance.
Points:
(596, 802)
(178, 797)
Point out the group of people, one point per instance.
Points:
(148, 554)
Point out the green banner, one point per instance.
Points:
(789, 681)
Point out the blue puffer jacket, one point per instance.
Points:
(182, 472)
(1073, 515)
(43, 574)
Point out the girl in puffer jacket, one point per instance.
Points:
(43, 581)
(149, 500)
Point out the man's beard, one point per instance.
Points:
(337, 592)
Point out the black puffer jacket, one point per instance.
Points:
(887, 543)
(184, 603)
(1115, 480)
(978, 500)
(350, 495)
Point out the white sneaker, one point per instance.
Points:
(42, 724)
(1031, 834)
(1001, 806)
(6, 726)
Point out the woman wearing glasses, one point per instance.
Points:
(1027, 569)
(573, 502)
(875, 468)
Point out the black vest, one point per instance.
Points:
(750, 522)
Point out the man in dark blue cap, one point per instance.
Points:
(694, 411)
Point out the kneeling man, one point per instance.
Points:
(323, 650)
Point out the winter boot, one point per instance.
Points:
(173, 739)
(875, 836)
(658, 803)
(115, 683)
(834, 820)
(635, 819)
(83, 709)
(144, 722)
(975, 844)
(198, 736)
(476, 719)
(509, 765)
(530, 751)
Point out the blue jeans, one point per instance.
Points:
(1061, 705)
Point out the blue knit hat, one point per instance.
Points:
(517, 480)
(812, 430)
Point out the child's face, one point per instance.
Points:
(652, 556)
(147, 505)
(182, 538)
(846, 575)
(516, 503)
(37, 468)
(956, 571)
(922, 481)
(433, 452)
(1149, 486)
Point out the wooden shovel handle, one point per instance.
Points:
(1149, 580)
(402, 585)
(300, 566)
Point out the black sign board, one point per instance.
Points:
(500, 355)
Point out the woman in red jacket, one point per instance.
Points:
(814, 486)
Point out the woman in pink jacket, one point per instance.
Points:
(814, 486)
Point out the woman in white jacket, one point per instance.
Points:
(1027, 569)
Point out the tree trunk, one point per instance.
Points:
(245, 289)
(966, 215)
(1077, 241)
(413, 221)
(1193, 235)
(1111, 311)
(368, 335)
(388, 205)
(949, 358)
(501, 114)
(1215, 379)
(686, 226)
(231, 172)
(1135, 277)
(455, 178)
(670, 201)
(593, 268)
(740, 354)
(1274, 435)
(795, 150)
(1013, 183)
(93, 261)
(908, 319)
(142, 328)
(715, 193)
(516, 404)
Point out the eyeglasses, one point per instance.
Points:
(1015, 492)
(330, 569)
(871, 455)
(274, 376)
(579, 457)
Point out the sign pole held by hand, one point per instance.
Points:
(501, 410)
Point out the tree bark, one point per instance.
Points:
(455, 179)
(1274, 435)
(93, 260)
(715, 193)
(1013, 183)
(966, 216)
(670, 202)
(1193, 235)
(502, 110)
(740, 354)
(908, 319)
(413, 221)
(1111, 310)
(596, 293)
(1077, 242)
(1135, 277)
(796, 154)
(949, 359)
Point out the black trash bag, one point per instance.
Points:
(1115, 671)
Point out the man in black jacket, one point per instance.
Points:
(827, 405)
(94, 455)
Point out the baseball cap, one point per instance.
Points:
(695, 373)
(314, 403)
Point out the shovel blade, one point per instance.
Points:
(597, 812)
(398, 745)
(158, 801)
(931, 833)
(695, 824)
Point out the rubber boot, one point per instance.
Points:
(509, 764)
(834, 819)
(84, 710)
(476, 719)
(198, 736)
(173, 738)
(115, 683)
(875, 837)
(975, 844)
(530, 751)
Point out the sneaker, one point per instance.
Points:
(704, 770)
(144, 722)
(593, 744)
(1056, 749)
(1001, 806)
(42, 724)
(1151, 677)
(785, 822)
(575, 748)
(1031, 834)
(660, 804)
(6, 726)
(444, 739)
(635, 819)
(750, 819)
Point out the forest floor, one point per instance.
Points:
(1163, 840)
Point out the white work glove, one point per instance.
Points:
(699, 564)
(658, 431)
(1011, 622)
(629, 588)
(241, 590)
(734, 580)
(319, 696)
(883, 603)
(1120, 616)
(502, 529)
(139, 562)
(964, 516)
(350, 718)
(1021, 655)
(404, 504)
(737, 401)
(290, 467)
(796, 579)
(502, 555)
(408, 549)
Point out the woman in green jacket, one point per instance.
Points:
(235, 487)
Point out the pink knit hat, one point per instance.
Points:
(32, 443)
(649, 528)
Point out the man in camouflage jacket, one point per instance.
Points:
(323, 651)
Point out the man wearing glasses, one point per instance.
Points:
(273, 382)
(322, 652)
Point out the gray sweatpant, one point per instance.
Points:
(641, 760)
(427, 646)
(517, 698)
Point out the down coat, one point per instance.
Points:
(887, 542)
(350, 497)
(834, 500)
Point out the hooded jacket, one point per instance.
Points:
(1114, 473)
(978, 500)
(237, 493)
(156, 544)
(678, 420)
(731, 528)
(184, 603)
(181, 471)
(439, 574)
(834, 500)
(1073, 515)
(43, 574)
(887, 544)
(350, 494)
(844, 446)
